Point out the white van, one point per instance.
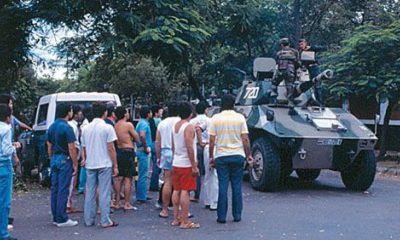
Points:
(39, 164)
(46, 111)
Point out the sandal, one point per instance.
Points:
(176, 222)
(162, 216)
(130, 208)
(113, 224)
(189, 225)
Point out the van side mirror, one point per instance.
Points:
(270, 115)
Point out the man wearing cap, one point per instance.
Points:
(287, 59)
(311, 65)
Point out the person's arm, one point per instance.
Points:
(113, 155)
(211, 146)
(83, 162)
(199, 136)
(49, 151)
(317, 48)
(158, 147)
(74, 157)
(189, 138)
(143, 140)
(112, 136)
(133, 133)
(6, 145)
(25, 126)
(246, 142)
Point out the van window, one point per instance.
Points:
(42, 116)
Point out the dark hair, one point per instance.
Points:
(5, 98)
(185, 109)
(155, 108)
(120, 112)
(63, 109)
(227, 102)
(5, 111)
(99, 109)
(172, 109)
(76, 109)
(302, 40)
(201, 107)
(110, 108)
(88, 113)
(144, 111)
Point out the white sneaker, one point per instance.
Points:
(68, 223)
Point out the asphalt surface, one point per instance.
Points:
(320, 210)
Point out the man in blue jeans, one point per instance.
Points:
(63, 163)
(229, 136)
(143, 150)
(7, 151)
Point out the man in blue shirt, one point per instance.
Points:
(143, 150)
(64, 163)
(7, 150)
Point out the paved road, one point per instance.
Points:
(321, 210)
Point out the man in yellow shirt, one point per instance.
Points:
(229, 136)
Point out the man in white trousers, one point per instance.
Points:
(210, 185)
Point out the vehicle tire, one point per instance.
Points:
(361, 174)
(308, 175)
(265, 174)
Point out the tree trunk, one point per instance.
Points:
(388, 114)
(297, 23)
(193, 83)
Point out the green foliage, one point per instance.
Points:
(368, 63)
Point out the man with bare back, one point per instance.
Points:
(127, 137)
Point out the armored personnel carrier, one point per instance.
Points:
(305, 138)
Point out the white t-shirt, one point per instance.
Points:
(74, 124)
(204, 122)
(181, 157)
(95, 138)
(165, 128)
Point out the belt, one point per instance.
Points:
(126, 149)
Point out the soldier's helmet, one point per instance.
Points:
(284, 41)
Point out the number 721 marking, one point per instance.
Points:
(251, 92)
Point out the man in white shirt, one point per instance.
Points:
(184, 166)
(77, 115)
(101, 164)
(164, 154)
(210, 186)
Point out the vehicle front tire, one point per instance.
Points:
(265, 174)
(361, 174)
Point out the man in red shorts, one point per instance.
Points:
(184, 166)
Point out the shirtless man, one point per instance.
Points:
(127, 136)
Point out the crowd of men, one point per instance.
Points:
(100, 152)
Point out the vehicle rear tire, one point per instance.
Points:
(361, 174)
(265, 174)
(308, 175)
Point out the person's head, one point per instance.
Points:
(64, 110)
(172, 109)
(201, 107)
(5, 113)
(284, 42)
(88, 113)
(185, 110)
(227, 102)
(110, 110)
(77, 112)
(6, 98)
(303, 43)
(145, 112)
(121, 113)
(157, 111)
(99, 110)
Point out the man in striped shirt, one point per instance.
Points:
(229, 136)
